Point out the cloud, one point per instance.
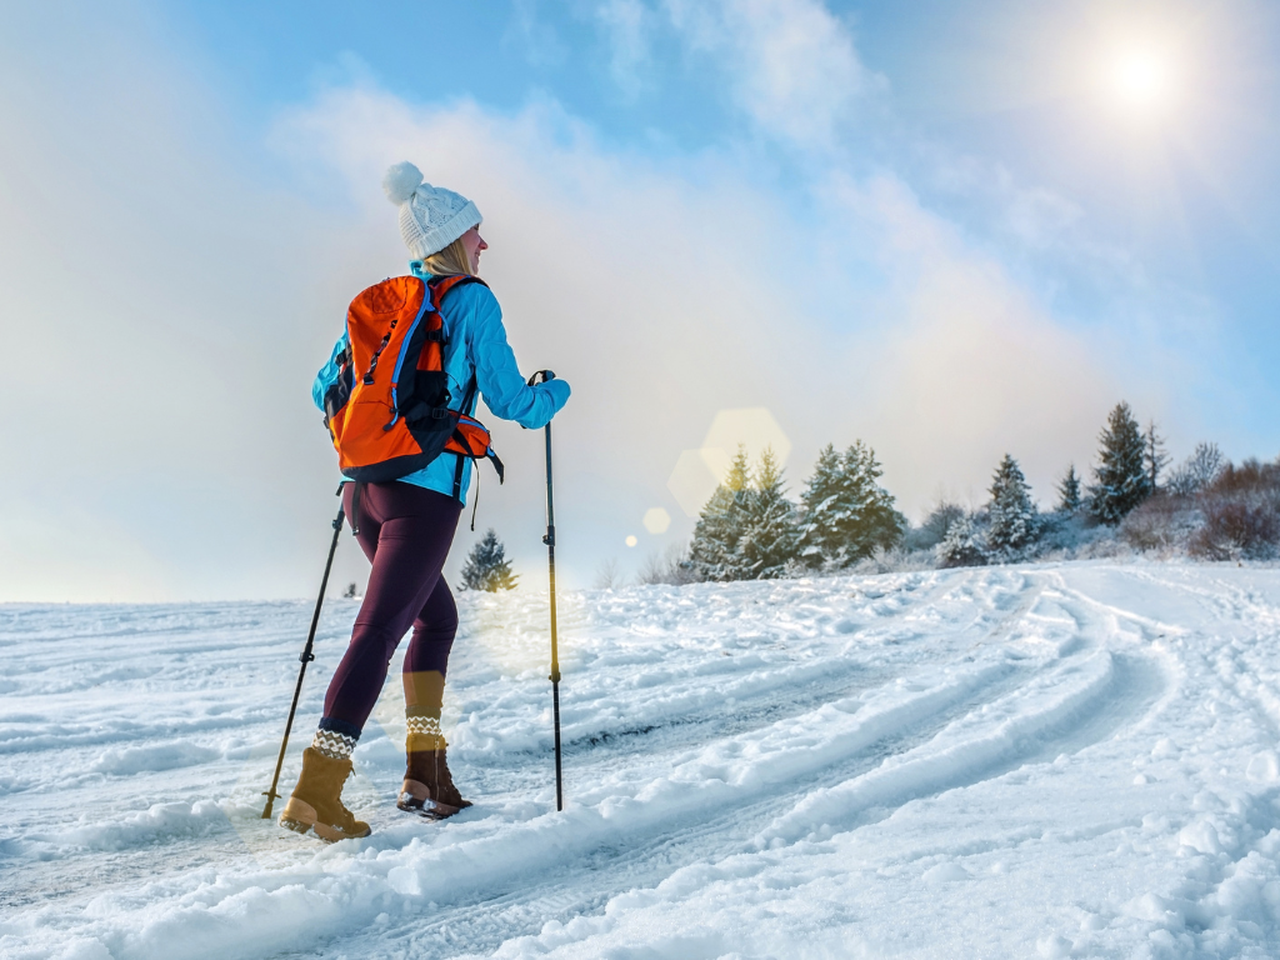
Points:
(970, 366)
(628, 24)
(1037, 216)
(1028, 222)
(153, 302)
(536, 39)
(792, 66)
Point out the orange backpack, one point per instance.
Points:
(388, 412)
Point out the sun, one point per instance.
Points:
(1140, 81)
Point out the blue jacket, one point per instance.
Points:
(477, 344)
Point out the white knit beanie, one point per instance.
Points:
(431, 218)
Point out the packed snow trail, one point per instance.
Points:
(1073, 760)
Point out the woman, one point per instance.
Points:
(405, 528)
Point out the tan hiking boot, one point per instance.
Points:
(316, 802)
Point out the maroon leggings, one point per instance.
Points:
(406, 532)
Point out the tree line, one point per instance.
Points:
(1205, 506)
(750, 530)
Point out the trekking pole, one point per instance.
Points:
(306, 657)
(550, 541)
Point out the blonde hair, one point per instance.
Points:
(449, 262)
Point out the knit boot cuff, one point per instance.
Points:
(336, 738)
(424, 734)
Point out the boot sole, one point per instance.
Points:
(425, 807)
(299, 816)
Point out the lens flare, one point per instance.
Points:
(657, 520)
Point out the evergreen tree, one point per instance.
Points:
(963, 546)
(1069, 492)
(847, 515)
(819, 505)
(1121, 479)
(1154, 452)
(768, 536)
(487, 568)
(1013, 522)
(714, 552)
(875, 522)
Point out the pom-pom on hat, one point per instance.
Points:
(431, 218)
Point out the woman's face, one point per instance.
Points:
(473, 243)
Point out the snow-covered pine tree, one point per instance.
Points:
(1069, 492)
(846, 514)
(769, 535)
(1121, 479)
(874, 522)
(714, 552)
(487, 568)
(1156, 457)
(1013, 524)
(963, 546)
(818, 505)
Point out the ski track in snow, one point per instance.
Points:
(1055, 760)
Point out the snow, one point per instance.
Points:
(1073, 760)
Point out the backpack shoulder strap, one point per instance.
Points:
(440, 288)
(442, 285)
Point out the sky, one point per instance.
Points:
(951, 230)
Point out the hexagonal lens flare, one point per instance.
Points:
(657, 520)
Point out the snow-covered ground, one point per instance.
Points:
(1042, 761)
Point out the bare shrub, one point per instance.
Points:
(1103, 548)
(895, 560)
(607, 577)
(672, 567)
(1080, 538)
(1250, 477)
(1241, 513)
(1163, 523)
(1243, 526)
(1196, 472)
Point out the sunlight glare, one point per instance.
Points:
(1141, 80)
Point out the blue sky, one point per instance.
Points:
(948, 229)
